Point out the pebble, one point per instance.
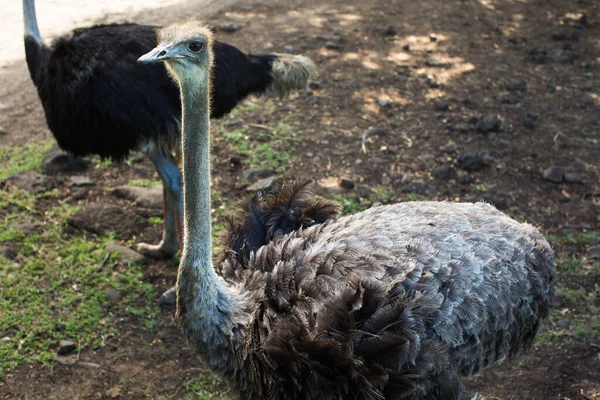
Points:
(588, 99)
(471, 160)
(65, 347)
(383, 102)
(113, 296)
(443, 172)
(449, 148)
(332, 46)
(346, 183)
(31, 182)
(80, 180)
(511, 98)
(147, 197)
(519, 85)
(230, 27)
(288, 48)
(434, 63)
(557, 298)
(554, 174)
(252, 174)
(441, 106)
(573, 177)
(432, 37)
(261, 184)
(489, 123)
(168, 299)
(125, 254)
(388, 30)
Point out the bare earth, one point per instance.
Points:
(426, 95)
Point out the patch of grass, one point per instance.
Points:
(578, 319)
(55, 288)
(205, 386)
(23, 158)
(584, 238)
(575, 266)
(266, 155)
(479, 187)
(143, 183)
(155, 220)
(352, 203)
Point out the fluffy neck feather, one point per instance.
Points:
(208, 310)
(30, 20)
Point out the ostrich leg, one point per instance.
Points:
(171, 180)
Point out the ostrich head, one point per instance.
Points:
(184, 48)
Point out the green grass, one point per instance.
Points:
(55, 288)
(205, 386)
(352, 203)
(23, 158)
(143, 183)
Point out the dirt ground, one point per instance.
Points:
(405, 103)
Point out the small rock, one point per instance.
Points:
(489, 123)
(314, 85)
(261, 184)
(168, 299)
(573, 177)
(66, 360)
(57, 161)
(125, 254)
(31, 182)
(554, 174)
(235, 161)
(529, 123)
(376, 132)
(309, 155)
(418, 187)
(113, 296)
(588, 99)
(433, 63)
(288, 48)
(321, 38)
(443, 172)
(8, 252)
(406, 47)
(384, 102)
(89, 365)
(252, 174)
(464, 178)
(564, 324)
(441, 106)
(471, 160)
(332, 46)
(511, 98)
(519, 85)
(386, 30)
(346, 183)
(80, 180)
(557, 298)
(65, 347)
(559, 36)
(147, 197)
(230, 27)
(432, 37)
(449, 148)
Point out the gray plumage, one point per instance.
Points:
(395, 302)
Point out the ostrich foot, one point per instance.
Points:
(159, 251)
(168, 298)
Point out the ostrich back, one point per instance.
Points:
(98, 100)
(391, 303)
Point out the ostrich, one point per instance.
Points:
(395, 302)
(97, 100)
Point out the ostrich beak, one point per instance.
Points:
(160, 53)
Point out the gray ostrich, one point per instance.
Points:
(395, 302)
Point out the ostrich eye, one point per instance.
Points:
(196, 46)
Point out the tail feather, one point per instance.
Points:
(290, 73)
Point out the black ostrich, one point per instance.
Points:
(98, 100)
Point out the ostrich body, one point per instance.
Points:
(97, 100)
(395, 302)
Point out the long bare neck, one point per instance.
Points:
(208, 310)
(30, 21)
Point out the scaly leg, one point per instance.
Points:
(171, 179)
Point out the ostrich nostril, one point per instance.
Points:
(162, 53)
